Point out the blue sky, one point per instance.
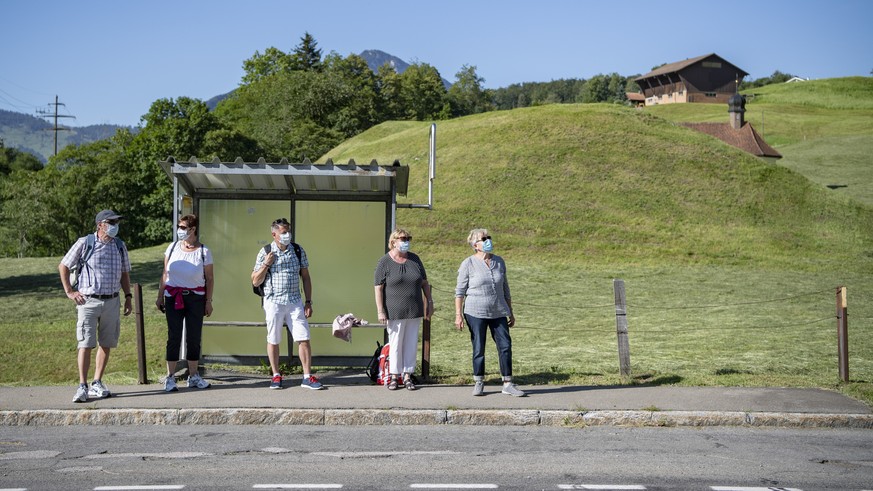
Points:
(109, 60)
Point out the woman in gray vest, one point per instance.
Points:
(482, 299)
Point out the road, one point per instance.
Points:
(432, 457)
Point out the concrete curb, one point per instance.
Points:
(346, 417)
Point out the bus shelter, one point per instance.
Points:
(342, 216)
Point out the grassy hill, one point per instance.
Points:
(585, 184)
(823, 128)
(730, 262)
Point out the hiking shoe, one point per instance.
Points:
(277, 382)
(479, 388)
(196, 381)
(98, 390)
(311, 383)
(512, 390)
(170, 384)
(81, 394)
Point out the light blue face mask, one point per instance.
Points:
(112, 230)
(285, 238)
(403, 246)
(487, 246)
(182, 234)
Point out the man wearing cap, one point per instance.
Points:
(105, 269)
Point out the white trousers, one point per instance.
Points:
(403, 344)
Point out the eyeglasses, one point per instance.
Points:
(183, 227)
(404, 239)
(483, 239)
(111, 222)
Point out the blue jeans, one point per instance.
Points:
(500, 334)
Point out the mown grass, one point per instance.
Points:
(823, 128)
(690, 325)
(730, 262)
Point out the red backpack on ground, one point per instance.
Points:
(384, 376)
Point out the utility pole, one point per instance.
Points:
(55, 115)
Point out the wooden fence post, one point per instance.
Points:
(621, 328)
(140, 334)
(842, 334)
(425, 350)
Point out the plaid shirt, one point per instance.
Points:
(282, 284)
(101, 275)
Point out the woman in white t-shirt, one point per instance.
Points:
(185, 296)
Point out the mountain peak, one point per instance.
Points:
(376, 58)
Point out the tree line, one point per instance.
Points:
(292, 105)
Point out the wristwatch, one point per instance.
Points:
(128, 295)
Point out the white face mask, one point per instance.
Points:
(403, 246)
(285, 238)
(111, 229)
(182, 234)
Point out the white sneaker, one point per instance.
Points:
(479, 388)
(196, 381)
(81, 394)
(512, 390)
(98, 390)
(170, 384)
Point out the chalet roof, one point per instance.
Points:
(635, 97)
(679, 65)
(745, 138)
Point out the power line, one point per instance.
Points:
(46, 114)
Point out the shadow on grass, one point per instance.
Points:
(147, 274)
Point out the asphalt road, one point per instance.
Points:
(225, 457)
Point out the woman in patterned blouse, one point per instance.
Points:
(403, 298)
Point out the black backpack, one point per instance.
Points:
(259, 290)
(373, 366)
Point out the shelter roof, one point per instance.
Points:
(283, 179)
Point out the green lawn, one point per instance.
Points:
(687, 325)
(823, 129)
(730, 262)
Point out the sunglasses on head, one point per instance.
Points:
(281, 221)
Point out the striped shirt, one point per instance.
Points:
(101, 274)
(282, 284)
(486, 288)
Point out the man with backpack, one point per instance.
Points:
(279, 269)
(102, 267)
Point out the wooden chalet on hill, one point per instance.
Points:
(708, 78)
